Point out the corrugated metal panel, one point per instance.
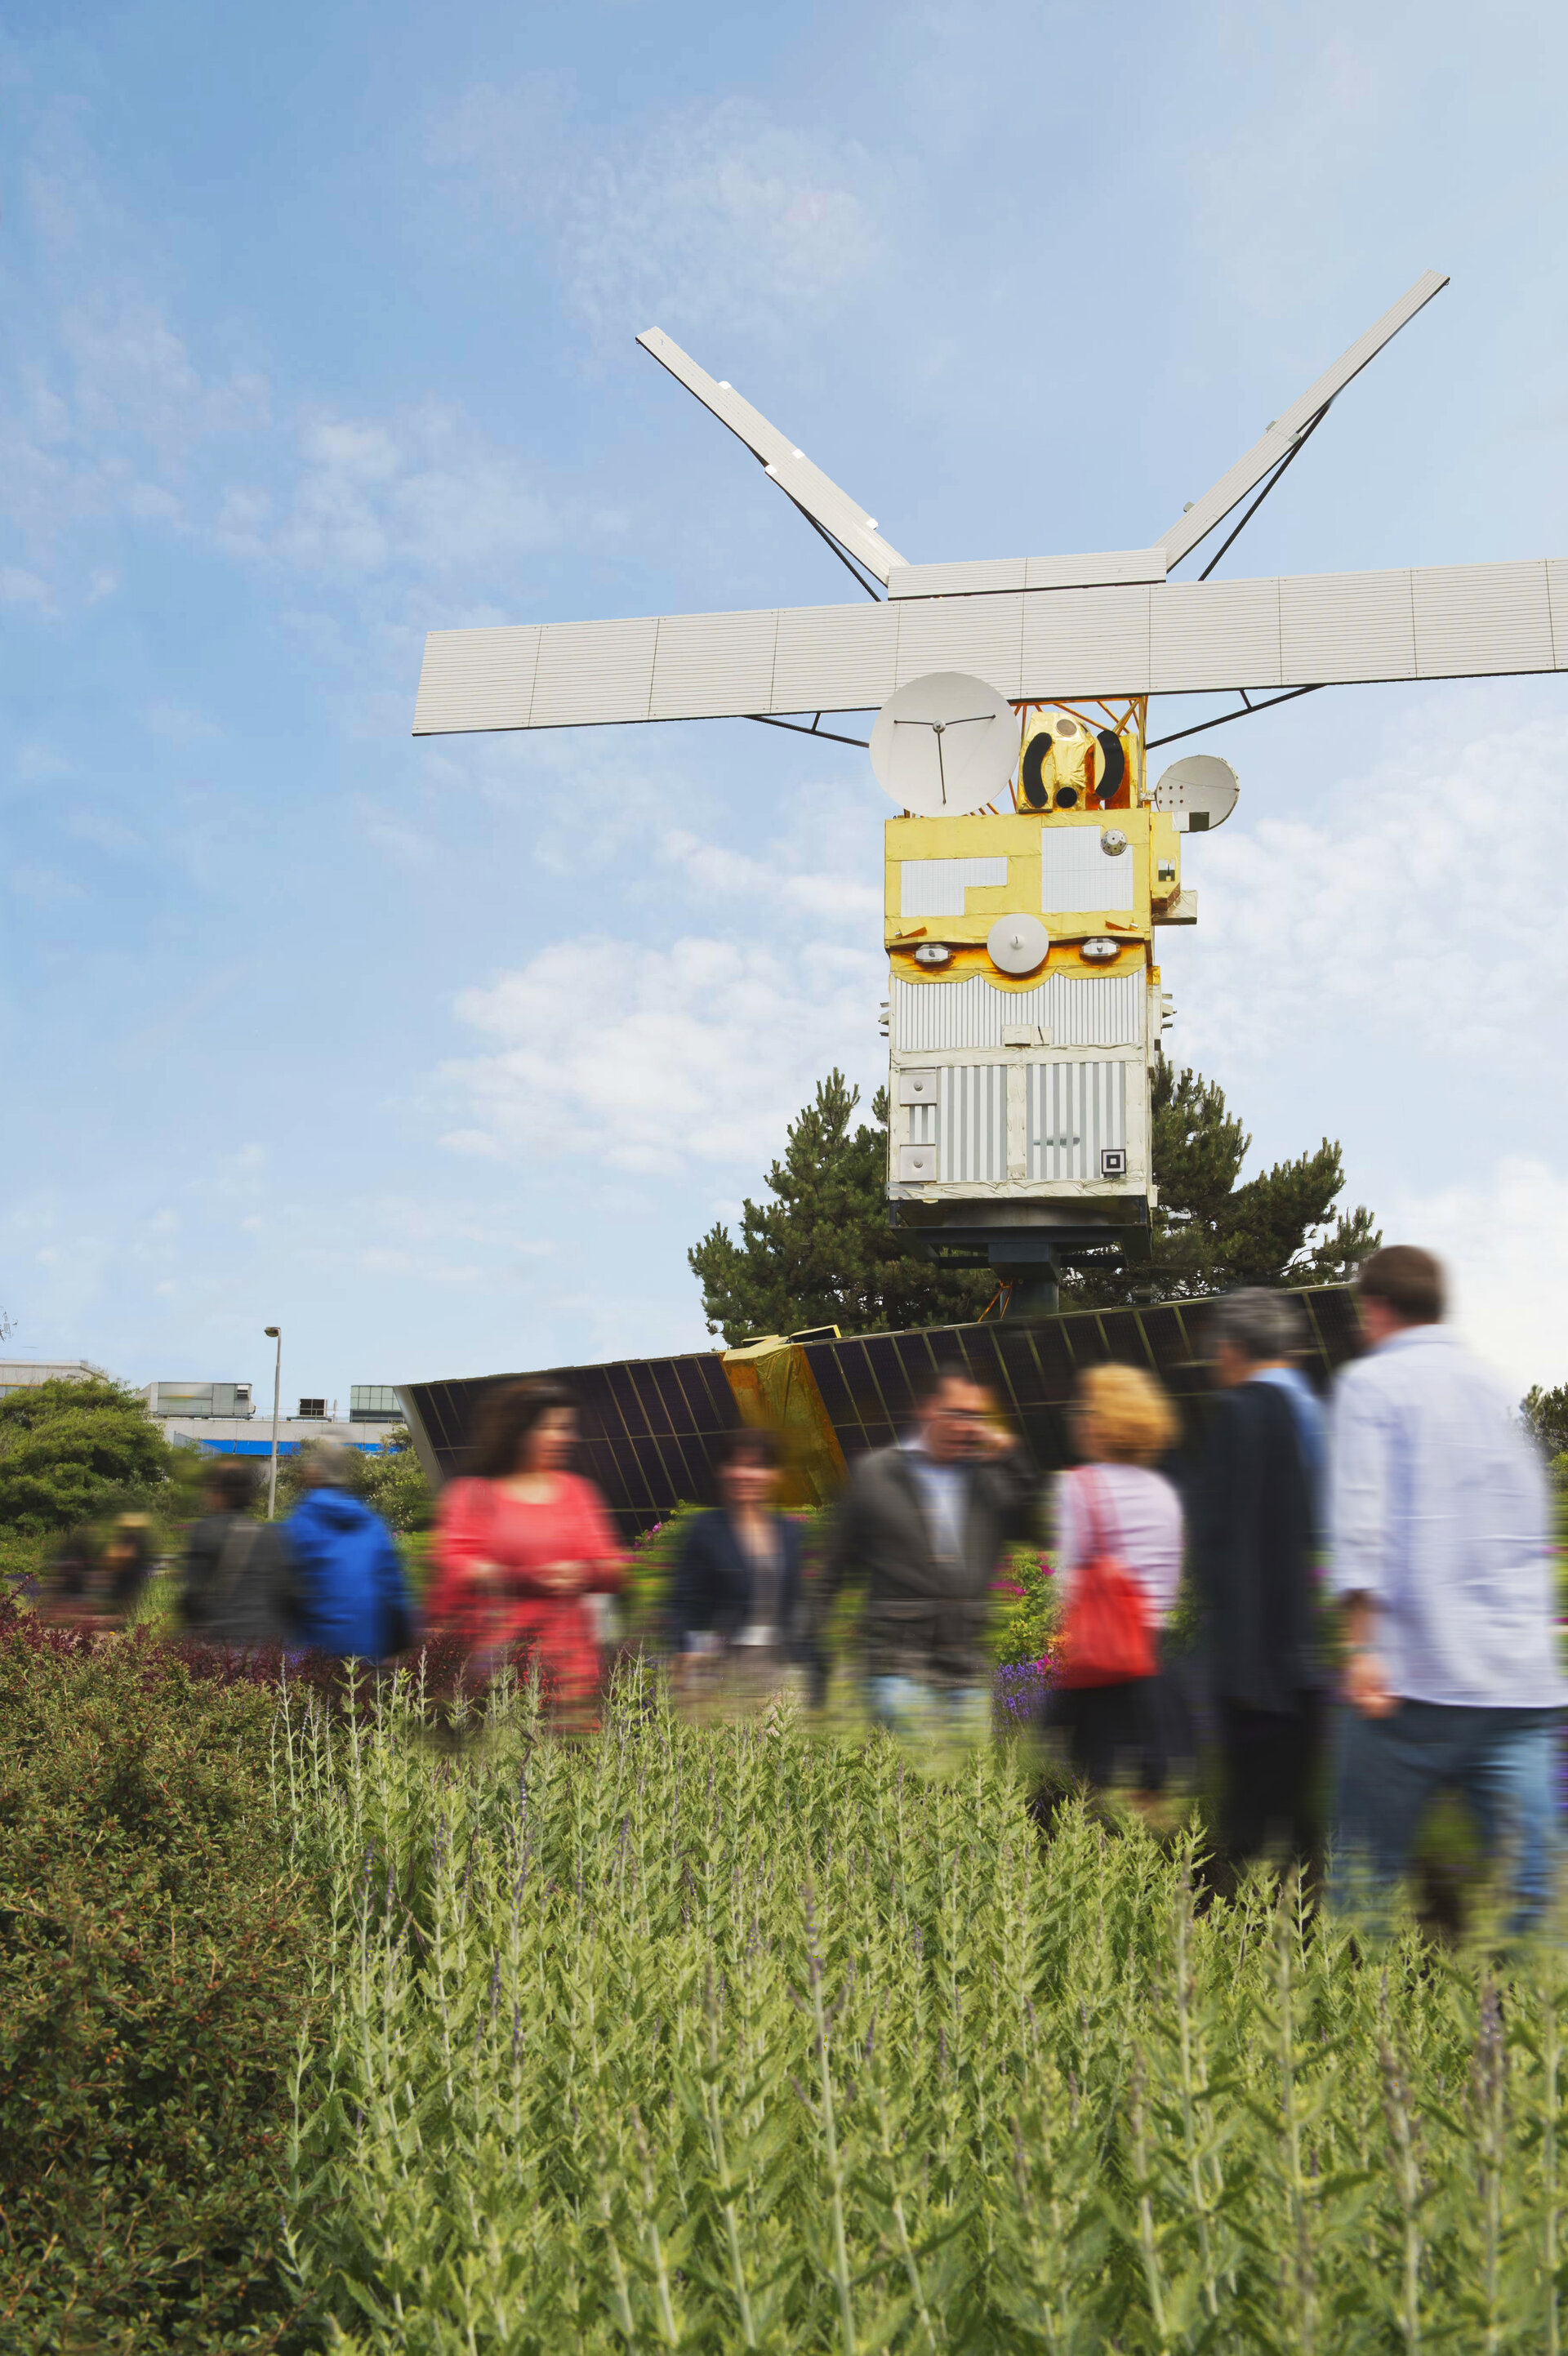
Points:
(935, 887)
(1476, 619)
(1078, 876)
(476, 679)
(923, 1124)
(837, 658)
(708, 665)
(972, 1141)
(1180, 638)
(790, 467)
(992, 573)
(1203, 514)
(1346, 625)
(963, 580)
(592, 671)
(1112, 565)
(1077, 642)
(1087, 1010)
(1075, 1112)
(1557, 590)
(983, 636)
(1213, 634)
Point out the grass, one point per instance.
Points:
(723, 2037)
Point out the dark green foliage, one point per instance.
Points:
(1212, 1233)
(822, 1252)
(1545, 1415)
(392, 1484)
(151, 1970)
(70, 1450)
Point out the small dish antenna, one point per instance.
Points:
(944, 744)
(1199, 792)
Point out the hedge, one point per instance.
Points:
(152, 1962)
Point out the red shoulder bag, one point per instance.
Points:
(1106, 1638)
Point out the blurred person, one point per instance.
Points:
(924, 1525)
(524, 1544)
(350, 1598)
(1255, 1539)
(736, 1599)
(1116, 1505)
(73, 1565)
(237, 1586)
(1443, 1560)
(126, 1563)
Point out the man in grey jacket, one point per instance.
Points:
(923, 1526)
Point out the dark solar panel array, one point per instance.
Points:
(868, 1384)
(651, 1426)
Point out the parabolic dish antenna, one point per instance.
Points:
(1199, 792)
(944, 744)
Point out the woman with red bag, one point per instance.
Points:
(1118, 1558)
(523, 1543)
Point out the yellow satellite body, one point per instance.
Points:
(1024, 1005)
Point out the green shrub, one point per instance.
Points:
(725, 2038)
(151, 1959)
(70, 1451)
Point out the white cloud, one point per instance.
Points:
(733, 874)
(708, 214)
(1506, 1244)
(1415, 914)
(651, 1060)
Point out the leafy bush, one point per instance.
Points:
(715, 2039)
(68, 1450)
(151, 1958)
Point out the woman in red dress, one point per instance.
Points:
(522, 1542)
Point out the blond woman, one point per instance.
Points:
(1115, 1502)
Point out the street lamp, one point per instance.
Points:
(274, 1333)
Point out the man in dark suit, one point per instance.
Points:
(1254, 1535)
(923, 1526)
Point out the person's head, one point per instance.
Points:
(950, 1409)
(230, 1486)
(525, 1427)
(327, 1465)
(1120, 1415)
(1245, 1331)
(751, 1462)
(1401, 1285)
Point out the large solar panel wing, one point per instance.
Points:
(1203, 514)
(792, 471)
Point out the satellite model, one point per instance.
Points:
(1033, 858)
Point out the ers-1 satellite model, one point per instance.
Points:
(1035, 855)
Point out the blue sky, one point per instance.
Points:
(319, 335)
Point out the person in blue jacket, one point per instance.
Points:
(351, 1599)
(737, 1600)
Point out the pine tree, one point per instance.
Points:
(822, 1252)
(1209, 1233)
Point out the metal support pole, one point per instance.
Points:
(1038, 1294)
(274, 1333)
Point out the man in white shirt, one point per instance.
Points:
(1443, 1560)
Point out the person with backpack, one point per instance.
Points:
(238, 1583)
(1118, 1569)
(352, 1599)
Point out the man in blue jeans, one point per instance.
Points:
(1443, 1560)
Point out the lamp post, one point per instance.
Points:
(274, 1333)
